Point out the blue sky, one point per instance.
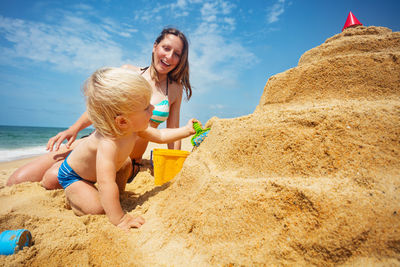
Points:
(48, 48)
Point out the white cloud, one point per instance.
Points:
(144, 16)
(178, 9)
(275, 11)
(114, 27)
(73, 43)
(217, 106)
(180, 4)
(181, 14)
(83, 7)
(217, 12)
(227, 7)
(148, 15)
(209, 11)
(216, 60)
(230, 22)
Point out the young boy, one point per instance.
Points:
(118, 104)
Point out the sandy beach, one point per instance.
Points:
(312, 177)
(32, 198)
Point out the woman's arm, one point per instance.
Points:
(174, 116)
(69, 134)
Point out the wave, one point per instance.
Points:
(20, 153)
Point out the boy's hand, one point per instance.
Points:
(189, 125)
(129, 221)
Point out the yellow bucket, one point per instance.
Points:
(167, 164)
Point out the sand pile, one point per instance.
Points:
(311, 177)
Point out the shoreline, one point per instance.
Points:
(14, 164)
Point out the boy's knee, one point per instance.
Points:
(93, 210)
(50, 180)
(87, 210)
(97, 211)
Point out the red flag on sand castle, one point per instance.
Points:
(351, 21)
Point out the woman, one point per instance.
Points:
(168, 76)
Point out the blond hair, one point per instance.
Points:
(111, 92)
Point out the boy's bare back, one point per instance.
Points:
(83, 158)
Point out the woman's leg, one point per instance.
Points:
(123, 174)
(84, 198)
(139, 149)
(35, 170)
(141, 146)
(136, 156)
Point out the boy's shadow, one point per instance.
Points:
(131, 200)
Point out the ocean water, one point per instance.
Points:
(17, 142)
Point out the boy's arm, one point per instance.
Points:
(108, 188)
(163, 136)
(106, 179)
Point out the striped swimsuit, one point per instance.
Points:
(161, 110)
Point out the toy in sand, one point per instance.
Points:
(200, 135)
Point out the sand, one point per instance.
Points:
(312, 177)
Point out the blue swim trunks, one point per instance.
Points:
(67, 176)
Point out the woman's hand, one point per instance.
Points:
(57, 140)
(69, 134)
(128, 221)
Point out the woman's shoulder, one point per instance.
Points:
(131, 67)
(175, 90)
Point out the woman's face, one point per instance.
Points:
(167, 53)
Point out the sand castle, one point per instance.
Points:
(311, 177)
